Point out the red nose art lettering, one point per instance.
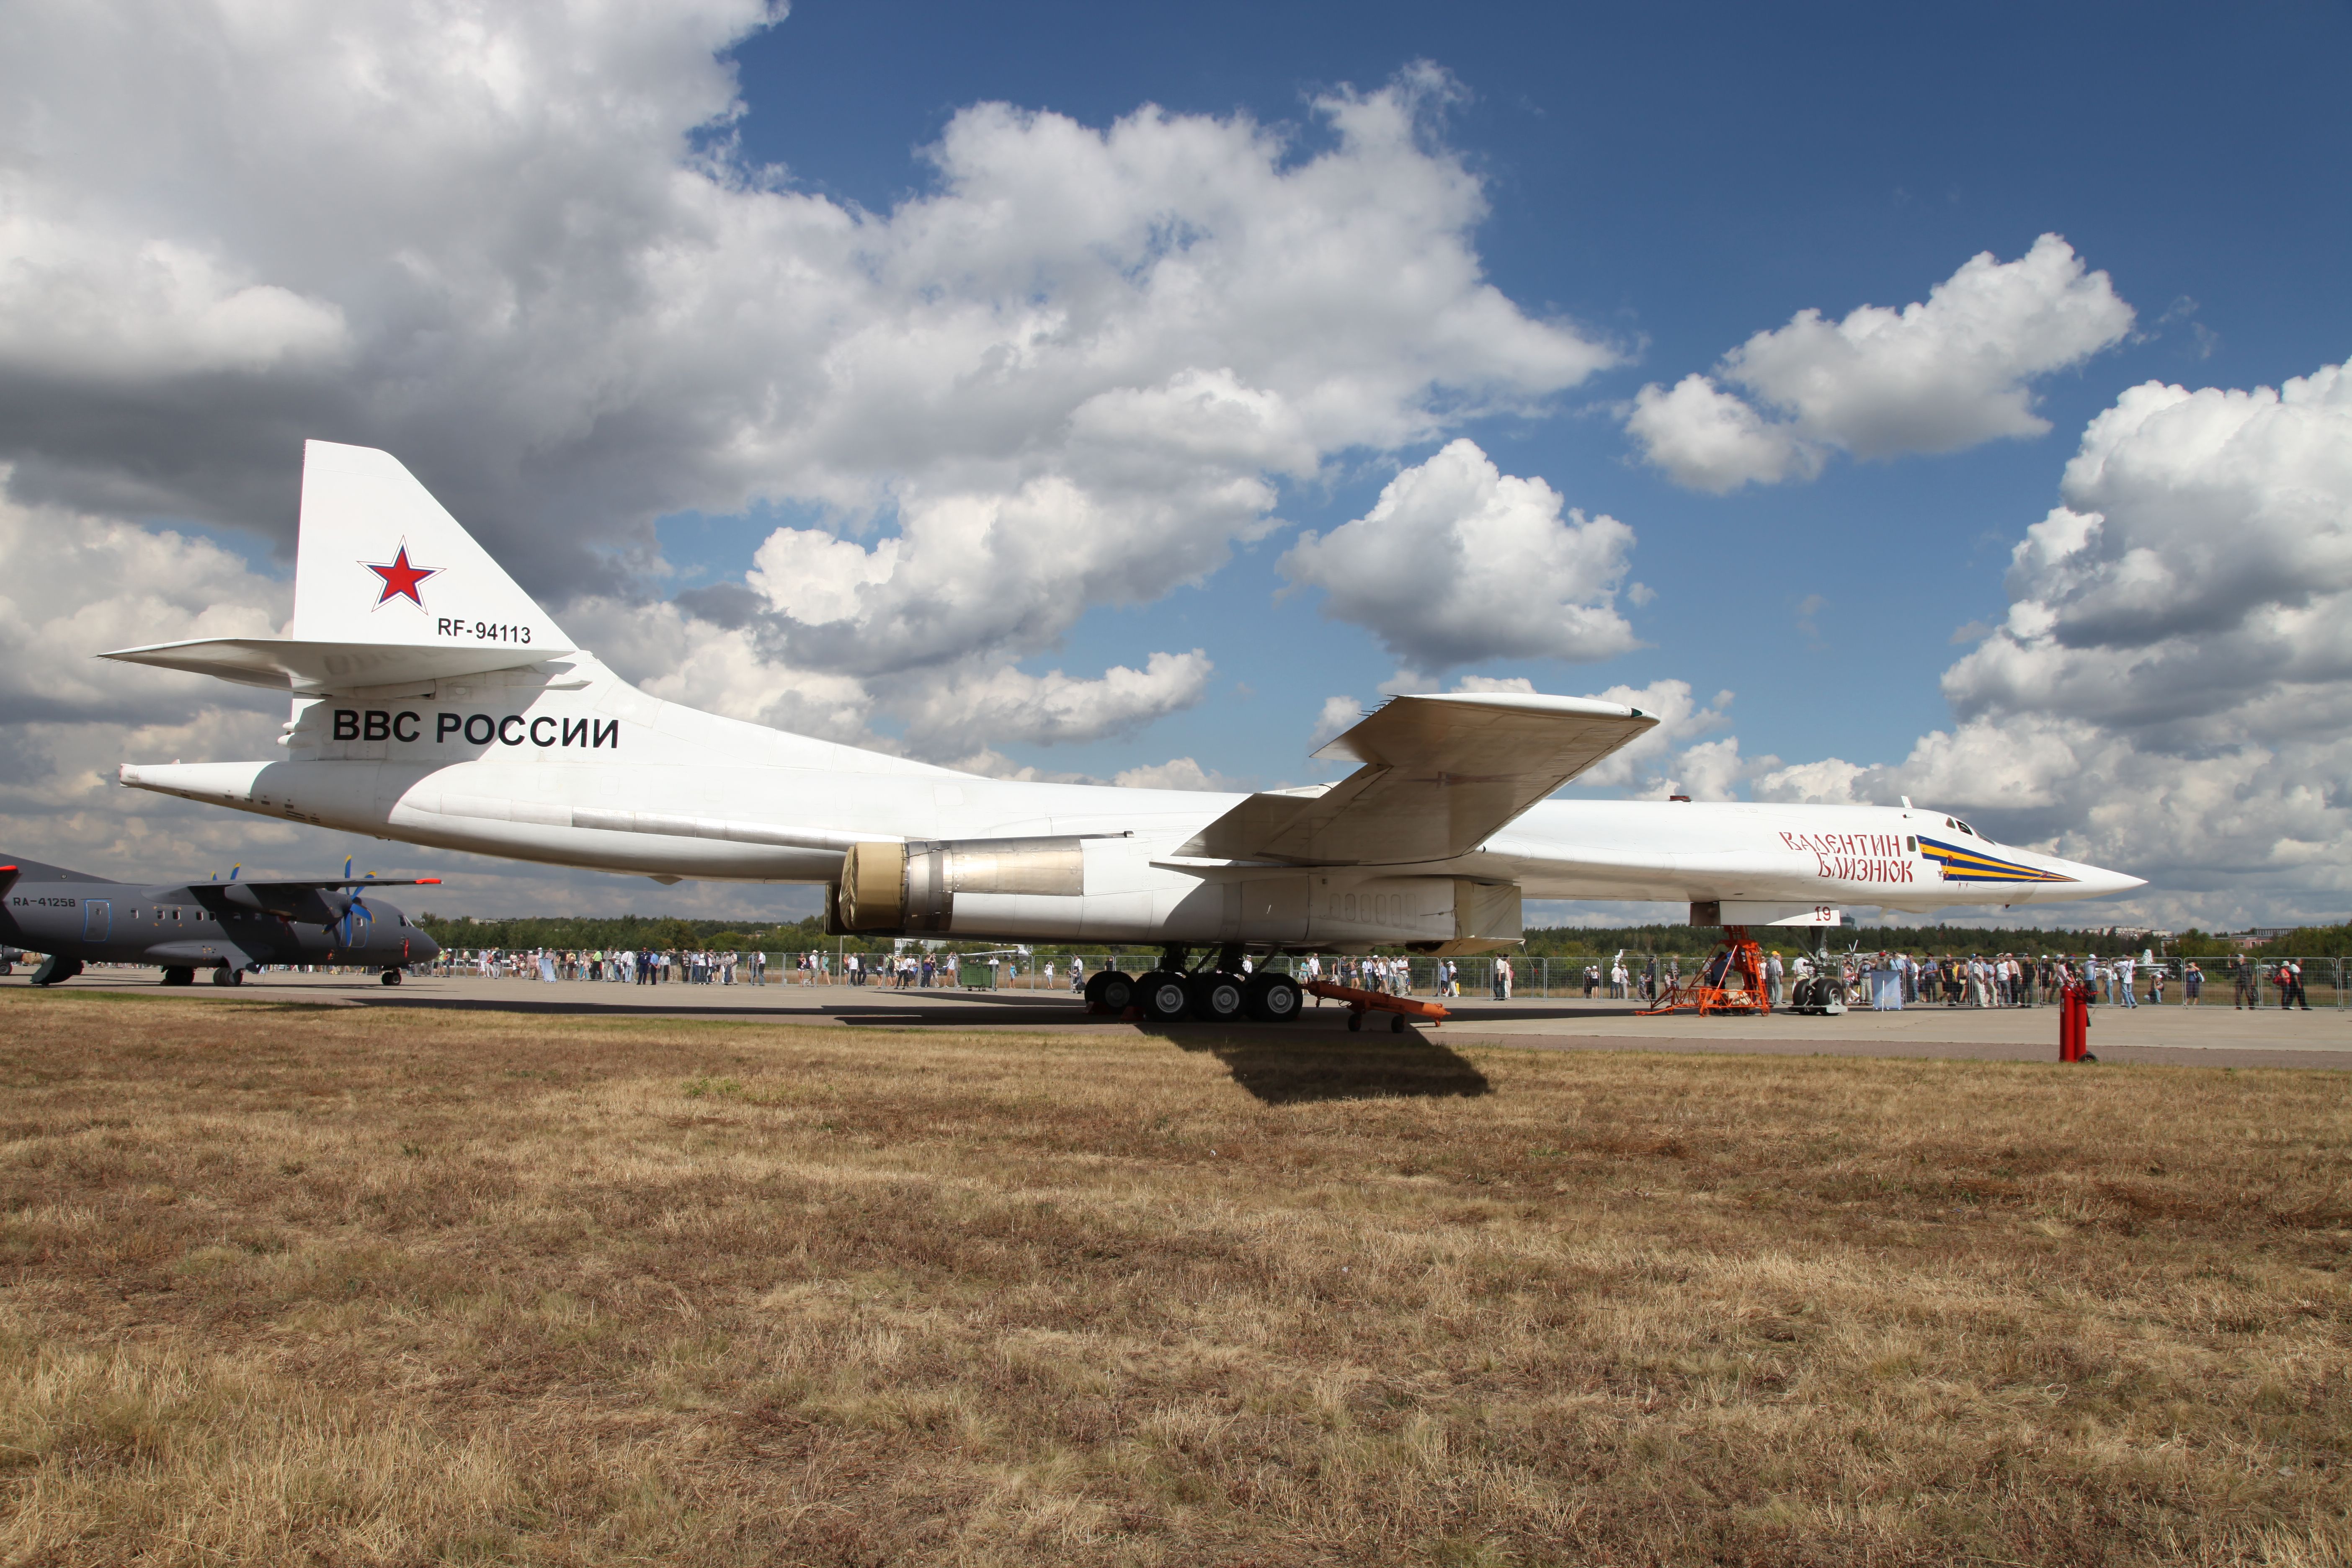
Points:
(1855, 856)
(400, 578)
(1848, 868)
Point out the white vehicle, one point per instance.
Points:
(434, 702)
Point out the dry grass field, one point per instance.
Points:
(286, 1283)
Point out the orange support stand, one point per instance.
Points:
(1731, 982)
(1399, 1008)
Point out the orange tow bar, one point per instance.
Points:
(1398, 1008)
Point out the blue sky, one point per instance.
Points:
(1678, 177)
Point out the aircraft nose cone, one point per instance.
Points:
(2098, 883)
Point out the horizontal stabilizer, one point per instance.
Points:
(308, 668)
(1441, 775)
(389, 589)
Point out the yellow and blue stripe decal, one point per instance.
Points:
(1962, 864)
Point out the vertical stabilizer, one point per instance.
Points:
(380, 561)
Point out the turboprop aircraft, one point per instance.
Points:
(434, 702)
(227, 927)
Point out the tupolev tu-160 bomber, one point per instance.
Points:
(434, 702)
(804, 782)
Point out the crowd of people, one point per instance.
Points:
(1978, 980)
(2027, 980)
(1972, 980)
(615, 966)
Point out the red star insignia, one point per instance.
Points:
(400, 579)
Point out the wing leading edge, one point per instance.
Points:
(1439, 775)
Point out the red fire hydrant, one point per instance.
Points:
(2074, 1023)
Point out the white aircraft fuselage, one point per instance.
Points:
(434, 703)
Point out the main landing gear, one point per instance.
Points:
(55, 971)
(227, 975)
(1109, 991)
(392, 977)
(1217, 993)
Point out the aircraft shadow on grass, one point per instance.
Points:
(1285, 1069)
(1279, 1064)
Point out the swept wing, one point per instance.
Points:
(1439, 775)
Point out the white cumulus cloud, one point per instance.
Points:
(1177, 773)
(1459, 562)
(1947, 372)
(1650, 766)
(2170, 691)
(520, 250)
(1007, 704)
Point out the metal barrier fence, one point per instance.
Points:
(2168, 982)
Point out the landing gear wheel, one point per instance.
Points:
(1164, 995)
(1273, 998)
(179, 975)
(1110, 991)
(1218, 997)
(55, 971)
(1396, 1023)
(392, 977)
(224, 975)
(1355, 1020)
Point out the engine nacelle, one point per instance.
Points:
(1115, 890)
(912, 887)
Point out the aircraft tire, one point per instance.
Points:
(55, 971)
(224, 975)
(1396, 1023)
(1219, 997)
(179, 975)
(392, 977)
(1164, 996)
(1355, 1020)
(1110, 990)
(1273, 998)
